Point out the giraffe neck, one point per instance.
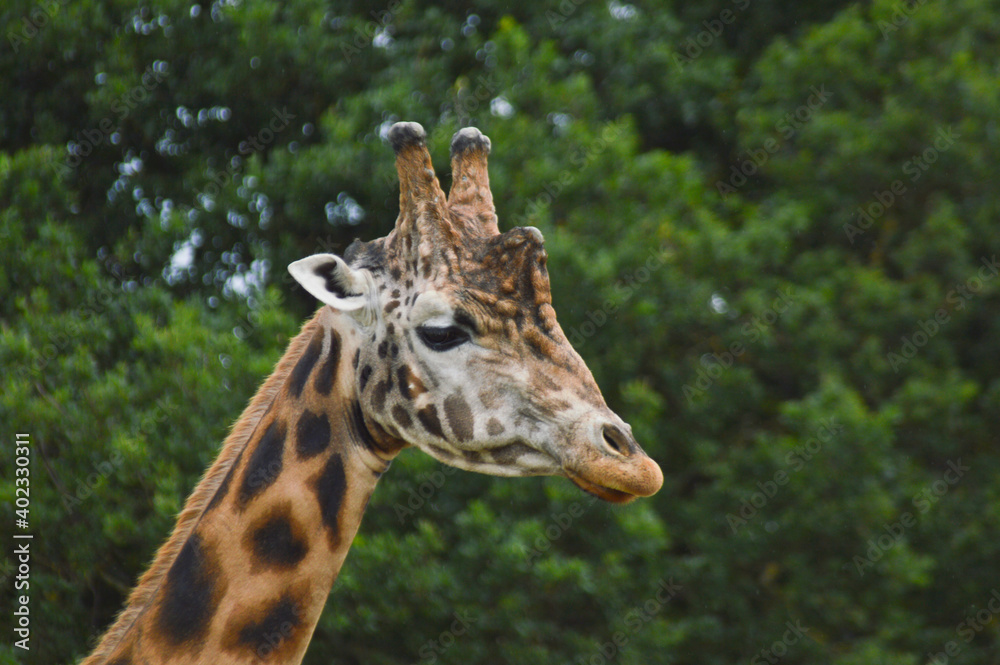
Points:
(259, 545)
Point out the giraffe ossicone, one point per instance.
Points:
(441, 336)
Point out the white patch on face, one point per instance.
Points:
(431, 308)
(450, 367)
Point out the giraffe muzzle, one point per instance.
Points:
(605, 460)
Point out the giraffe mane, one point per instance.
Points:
(242, 430)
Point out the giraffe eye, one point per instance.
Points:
(443, 338)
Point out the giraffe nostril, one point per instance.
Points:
(615, 439)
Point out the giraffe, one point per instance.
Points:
(441, 336)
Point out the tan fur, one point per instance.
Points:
(140, 598)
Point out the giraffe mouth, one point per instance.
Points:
(604, 460)
(600, 491)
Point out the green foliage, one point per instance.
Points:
(771, 232)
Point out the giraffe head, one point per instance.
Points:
(460, 353)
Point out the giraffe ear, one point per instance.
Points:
(332, 281)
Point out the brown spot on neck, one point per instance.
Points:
(326, 375)
(276, 540)
(265, 463)
(331, 486)
(272, 632)
(190, 595)
(312, 434)
(304, 367)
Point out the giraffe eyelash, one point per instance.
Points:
(442, 338)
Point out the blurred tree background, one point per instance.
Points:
(773, 236)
